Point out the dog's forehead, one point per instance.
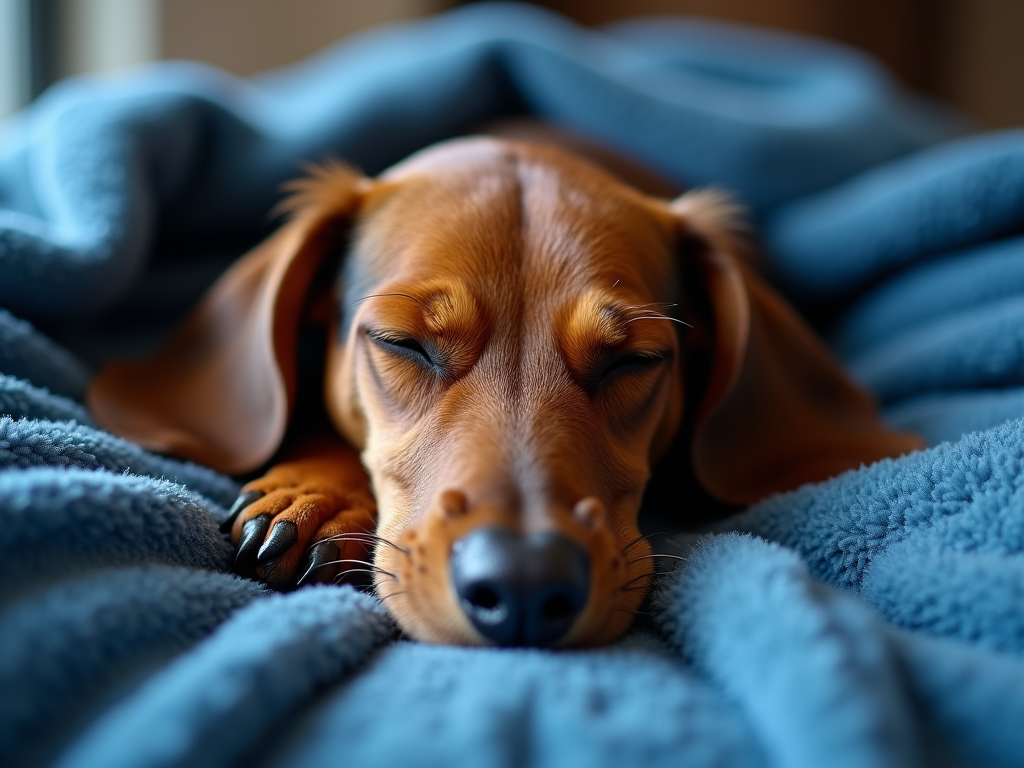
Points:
(486, 207)
(450, 155)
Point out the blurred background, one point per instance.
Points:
(966, 52)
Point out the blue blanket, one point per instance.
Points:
(876, 619)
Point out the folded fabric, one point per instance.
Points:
(768, 116)
(881, 532)
(821, 678)
(945, 416)
(955, 195)
(974, 349)
(948, 286)
(260, 666)
(33, 357)
(72, 649)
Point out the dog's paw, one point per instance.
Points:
(302, 522)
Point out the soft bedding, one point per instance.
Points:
(874, 619)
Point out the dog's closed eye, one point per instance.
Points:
(626, 363)
(422, 353)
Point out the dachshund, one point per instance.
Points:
(514, 337)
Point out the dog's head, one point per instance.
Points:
(509, 356)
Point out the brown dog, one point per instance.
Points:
(507, 360)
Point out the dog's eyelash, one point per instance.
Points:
(630, 362)
(403, 346)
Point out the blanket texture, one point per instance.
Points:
(876, 619)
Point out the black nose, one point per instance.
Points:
(520, 590)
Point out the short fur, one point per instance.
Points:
(507, 350)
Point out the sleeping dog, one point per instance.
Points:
(511, 347)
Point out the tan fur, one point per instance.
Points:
(526, 273)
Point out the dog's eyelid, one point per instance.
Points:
(403, 345)
(629, 361)
(639, 357)
(397, 338)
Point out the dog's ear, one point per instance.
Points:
(221, 389)
(778, 410)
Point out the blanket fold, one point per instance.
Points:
(823, 680)
(956, 195)
(110, 629)
(873, 619)
(206, 154)
(203, 710)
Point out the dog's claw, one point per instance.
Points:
(283, 535)
(319, 554)
(243, 501)
(253, 533)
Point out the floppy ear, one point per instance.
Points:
(778, 410)
(220, 390)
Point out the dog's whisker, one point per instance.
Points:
(383, 295)
(375, 587)
(347, 571)
(650, 575)
(662, 554)
(659, 317)
(638, 539)
(368, 534)
(382, 598)
(374, 570)
(368, 538)
(370, 567)
(637, 578)
(634, 542)
(350, 560)
(349, 537)
(630, 610)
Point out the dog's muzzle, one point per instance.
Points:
(520, 590)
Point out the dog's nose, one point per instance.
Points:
(520, 590)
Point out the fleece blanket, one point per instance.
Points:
(876, 619)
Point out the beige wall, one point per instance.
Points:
(241, 36)
(972, 51)
(15, 84)
(982, 71)
(968, 52)
(247, 36)
(105, 35)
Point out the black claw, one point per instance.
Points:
(252, 537)
(283, 535)
(243, 501)
(318, 555)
